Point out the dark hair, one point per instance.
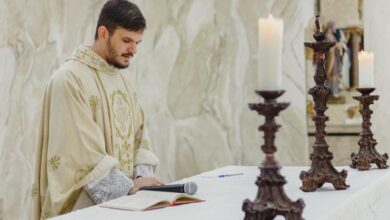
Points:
(120, 13)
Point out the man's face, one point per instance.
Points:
(122, 46)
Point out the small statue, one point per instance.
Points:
(333, 65)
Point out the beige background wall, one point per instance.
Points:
(195, 72)
(377, 34)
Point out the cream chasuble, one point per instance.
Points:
(91, 123)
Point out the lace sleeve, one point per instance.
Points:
(110, 186)
(143, 170)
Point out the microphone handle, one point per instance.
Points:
(178, 188)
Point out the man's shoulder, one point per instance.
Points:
(71, 70)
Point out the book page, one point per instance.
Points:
(144, 200)
(137, 202)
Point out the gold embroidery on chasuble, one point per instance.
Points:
(94, 102)
(121, 115)
(47, 214)
(55, 162)
(145, 144)
(34, 190)
(81, 173)
(121, 111)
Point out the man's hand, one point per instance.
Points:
(144, 181)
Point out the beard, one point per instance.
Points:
(111, 57)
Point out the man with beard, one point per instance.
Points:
(93, 144)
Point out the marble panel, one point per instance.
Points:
(376, 36)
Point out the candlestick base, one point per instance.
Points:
(321, 172)
(271, 200)
(367, 153)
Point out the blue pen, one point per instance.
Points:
(232, 174)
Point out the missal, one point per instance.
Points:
(146, 200)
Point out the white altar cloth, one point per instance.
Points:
(368, 198)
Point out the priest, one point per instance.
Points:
(93, 144)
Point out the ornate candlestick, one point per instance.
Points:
(321, 170)
(367, 153)
(271, 200)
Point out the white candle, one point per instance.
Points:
(270, 53)
(366, 69)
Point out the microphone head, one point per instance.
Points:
(190, 188)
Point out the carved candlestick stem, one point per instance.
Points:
(271, 200)
(321, 170)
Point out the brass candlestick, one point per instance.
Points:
(271, 200)
(321, 170)
(367, 153)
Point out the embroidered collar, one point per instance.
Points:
(86, 55)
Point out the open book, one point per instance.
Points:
(146, 200)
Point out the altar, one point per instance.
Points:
(367, 198)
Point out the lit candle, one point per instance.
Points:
(366, 69)
(270, 53)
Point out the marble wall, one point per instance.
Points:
(195, 72)
(376, 36)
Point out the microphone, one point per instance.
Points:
(189, 188)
